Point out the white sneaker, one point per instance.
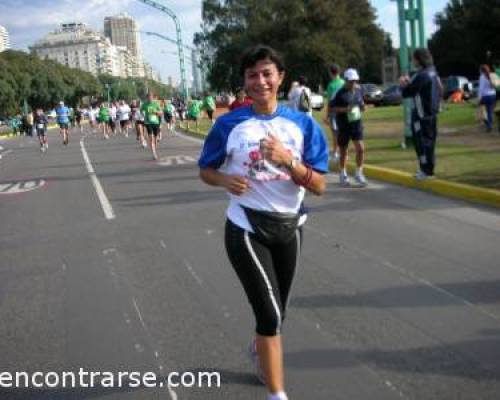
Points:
(344, 180)
(254, 357)
(277, 396)
(422, 176)
(145, 144)
(360, 179)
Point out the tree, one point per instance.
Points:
(310, 34)
(467, 31)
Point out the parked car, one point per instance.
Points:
(392, 96)
(317, 101)
(454, 83)
(372, 94)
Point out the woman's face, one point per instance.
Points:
(262, 81)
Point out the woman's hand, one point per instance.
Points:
(237, 185)
(274, 150)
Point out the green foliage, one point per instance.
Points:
(43, 83)
(467, 31)
(310, 34)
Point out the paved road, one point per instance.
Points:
(398, 295)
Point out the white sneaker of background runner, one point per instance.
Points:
(344, 179)
(360, 179)
(277, 396)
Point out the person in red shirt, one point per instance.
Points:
(242, 100)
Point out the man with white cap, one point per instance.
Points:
(348, 105)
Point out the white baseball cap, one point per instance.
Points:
(351, 75)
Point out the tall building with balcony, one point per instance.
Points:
(77, 46)
(122, 30)
(4, 39)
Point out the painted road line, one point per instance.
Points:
(105, 204)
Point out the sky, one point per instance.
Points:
(30, 20)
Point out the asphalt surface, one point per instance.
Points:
(397, 297)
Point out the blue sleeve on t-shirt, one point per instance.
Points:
(213, 154)
(315, 145)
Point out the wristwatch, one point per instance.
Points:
(292, 164)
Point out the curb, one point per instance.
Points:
(460, 191)
(441, 187)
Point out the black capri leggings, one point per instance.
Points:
(266, 273)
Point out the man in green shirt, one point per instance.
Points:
(103, 117)
(209, 106)
(169, 115)
(332, 89)
(194, 111)
(152, 120)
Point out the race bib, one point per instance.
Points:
(153, 119)
(354, 115)
(40, 126)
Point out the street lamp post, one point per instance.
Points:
(410, 15)
(107, 88)
(180, 46)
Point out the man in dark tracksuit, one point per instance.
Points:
(426, 90)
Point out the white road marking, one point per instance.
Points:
(176, 160)
(192, 272)
(111, 250)
(162, 244)
(139, 314)
(21, 187)
(105, 204)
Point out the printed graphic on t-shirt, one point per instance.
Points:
(263, 170)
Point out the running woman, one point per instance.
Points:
(62, 118)
(41, 123)
(152, 119)
(271, 156)
(138, 118)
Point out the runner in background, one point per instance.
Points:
(62, 118)
(209, 106)
(334, 86)
(242, 100)
(104, 119)
(152, 120)
(41, 122)
(138, 119)
(348, 106)
(78, 118)
(123, 115)
(194, 111)
(169, 115)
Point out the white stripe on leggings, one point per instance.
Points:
(266, 279)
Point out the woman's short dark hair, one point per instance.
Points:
(254, 54)
(423, 57)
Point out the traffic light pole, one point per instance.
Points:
(410, 15)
